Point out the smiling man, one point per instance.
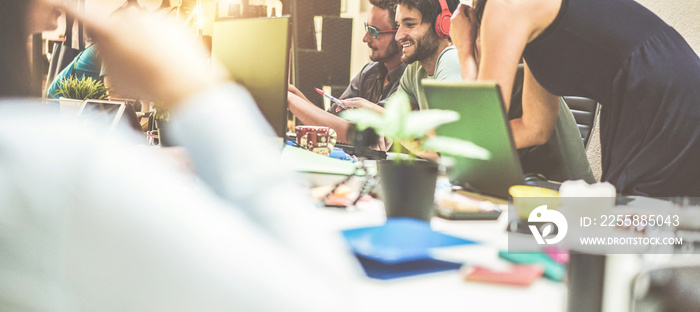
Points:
(374, 84)
(423, 34)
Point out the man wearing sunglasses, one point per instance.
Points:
(374, 84)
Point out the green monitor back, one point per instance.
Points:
(484, 122)
(256, 53)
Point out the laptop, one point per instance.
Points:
(256, 53)
(484, 122)
(102, 115)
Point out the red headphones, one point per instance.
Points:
(442, 23)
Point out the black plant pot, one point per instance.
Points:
(164, 133)
(408, 188)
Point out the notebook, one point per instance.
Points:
(401, 247)
(102, 115)
(484, 122)
(256, 53)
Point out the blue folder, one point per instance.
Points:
(400, 247)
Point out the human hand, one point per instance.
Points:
(358, 102)
(464, 29)
(149, 56)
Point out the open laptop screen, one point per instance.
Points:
(483, 121)
(102, 115)
(256, 53)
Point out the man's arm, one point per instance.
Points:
(359, 102)
(540, 111)
(464, 35)
(312, 115)
(506, 28)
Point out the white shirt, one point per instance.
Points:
(92, 224)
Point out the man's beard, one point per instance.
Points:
(423, 48)
(391, 51)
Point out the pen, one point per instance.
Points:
(332, 98)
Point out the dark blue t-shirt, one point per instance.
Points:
(647, 79)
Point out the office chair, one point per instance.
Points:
(585, 111)
(563, 157)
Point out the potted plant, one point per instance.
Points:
(81, 88)
(408, 184)
(73, 90)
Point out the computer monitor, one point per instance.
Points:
(256, 53)
(484, 122)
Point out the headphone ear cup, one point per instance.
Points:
(442, 25)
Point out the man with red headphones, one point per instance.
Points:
(423, 33)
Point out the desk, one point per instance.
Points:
(446, 291)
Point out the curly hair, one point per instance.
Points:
(388, 5)
(429, 9)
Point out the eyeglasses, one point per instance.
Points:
(374, 32)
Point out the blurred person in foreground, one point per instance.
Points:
(89, 224)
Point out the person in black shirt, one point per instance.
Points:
(372, 86)
(642, 72)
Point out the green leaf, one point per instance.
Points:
(395, 112)
(420, 122)
(81, 88)
(456, 147)
(364, 118)
(400, 123)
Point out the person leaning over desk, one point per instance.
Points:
(371, 87)
(641, 71)
(90, 224)
(430, 54)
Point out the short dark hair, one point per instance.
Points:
(14, 59)
(429, 9)
(388, 5)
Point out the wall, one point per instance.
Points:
(359, 11)
(682, 15)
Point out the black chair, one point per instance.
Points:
(585, 111)
(563, 157)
